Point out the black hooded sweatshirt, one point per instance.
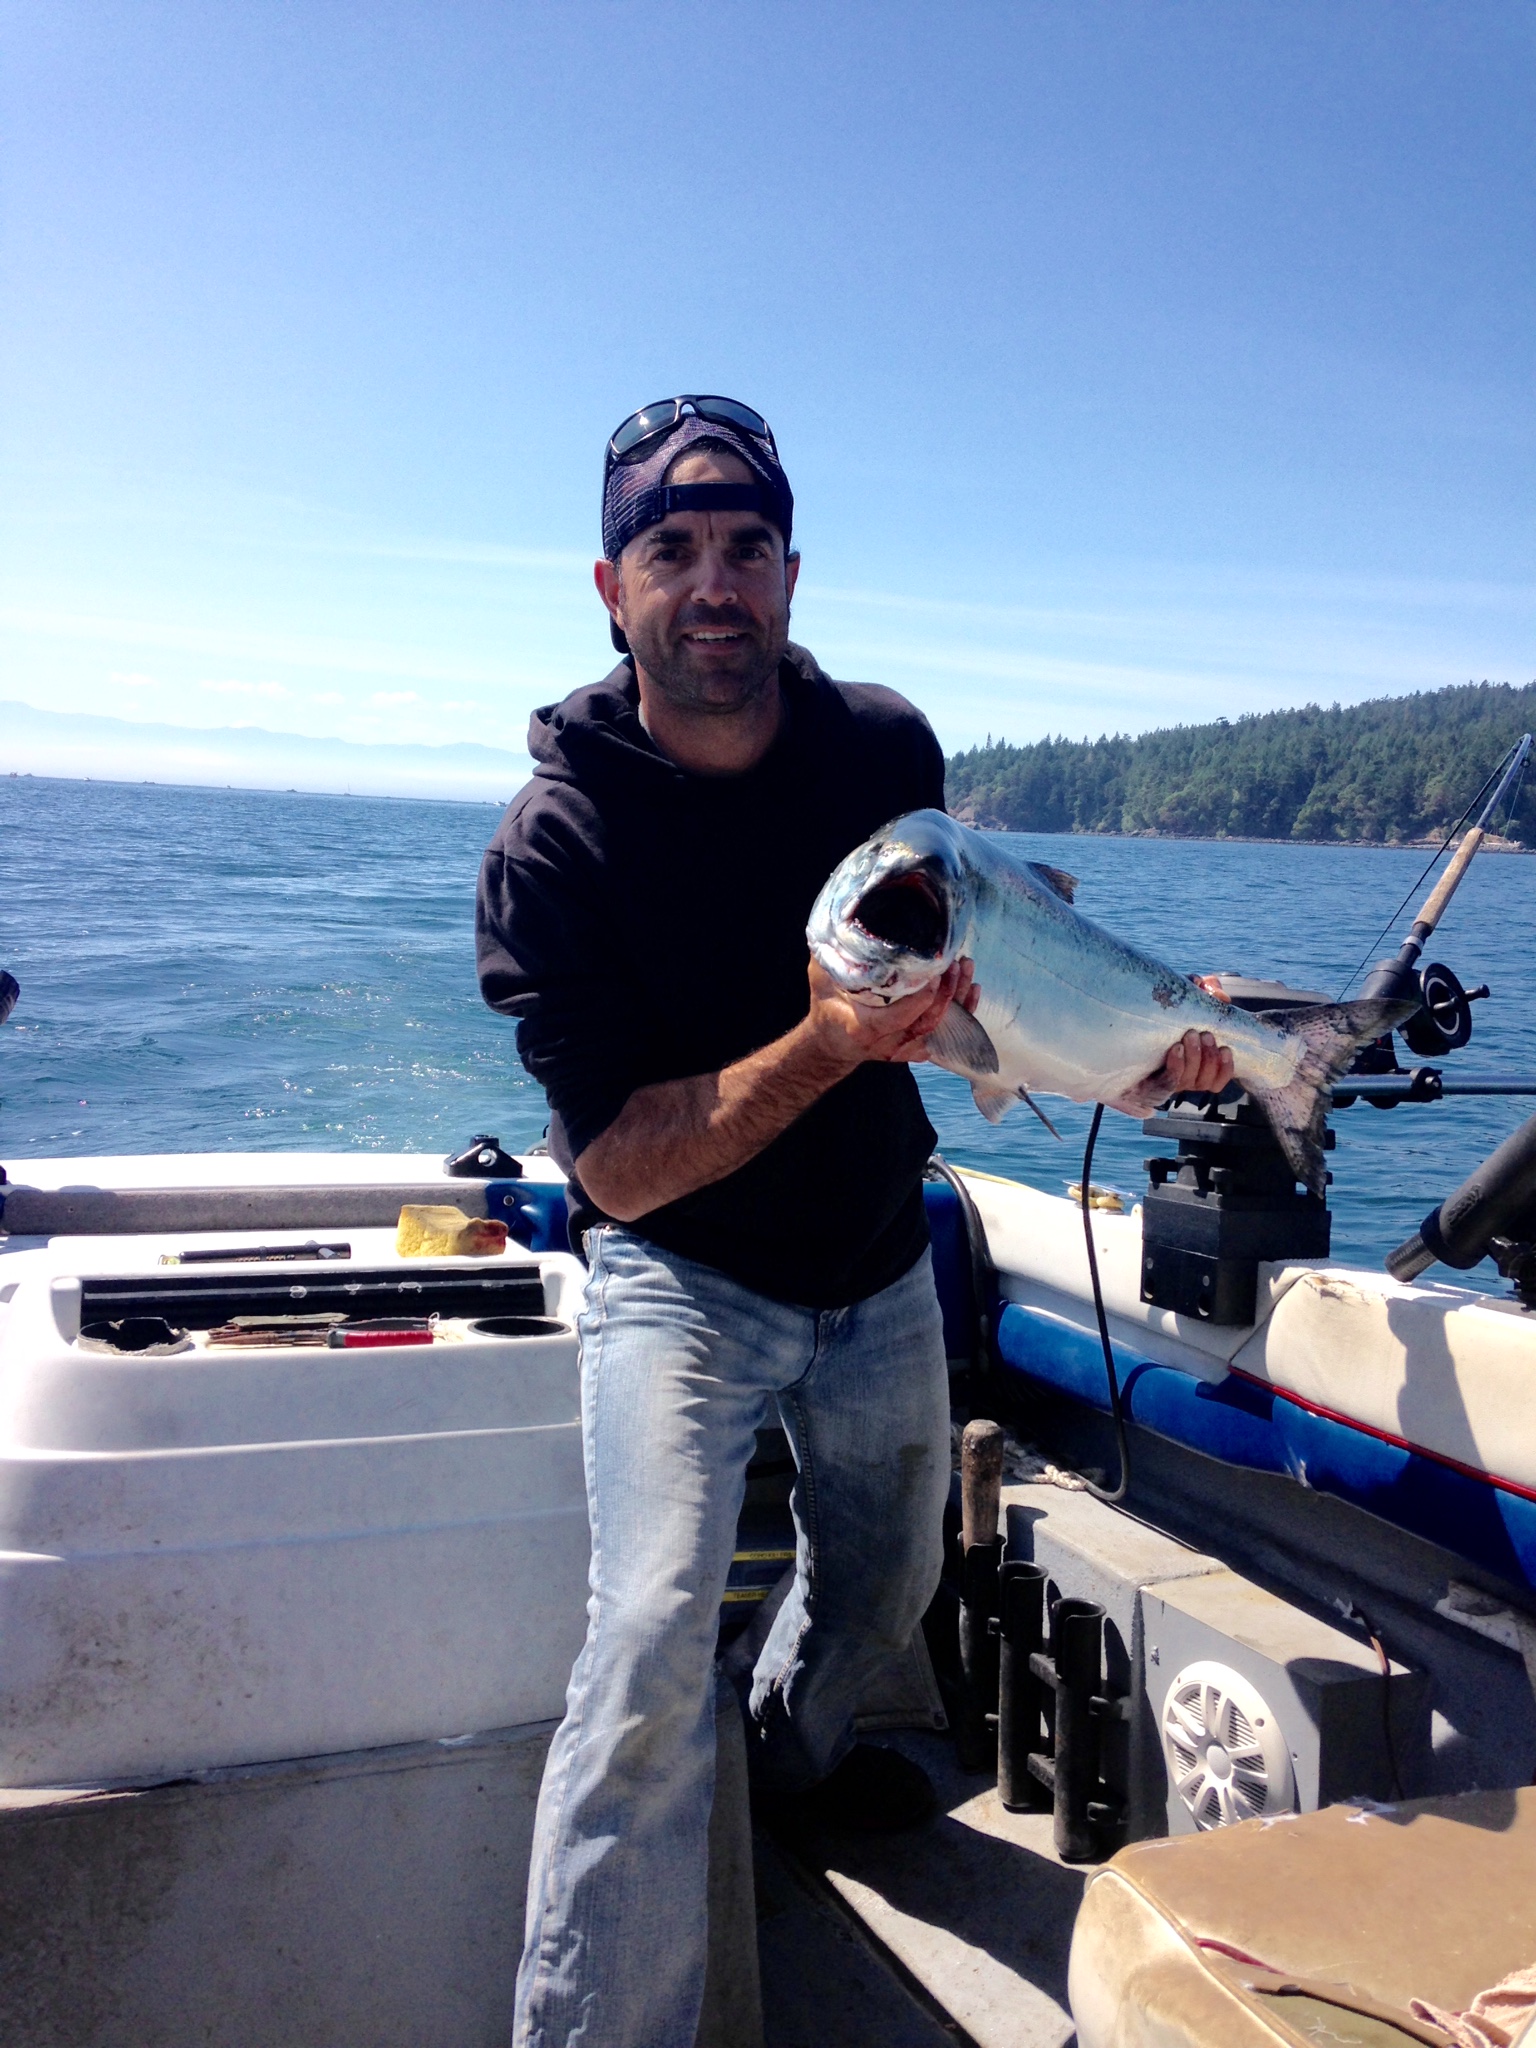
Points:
(644, 924)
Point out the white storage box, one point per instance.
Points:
(226, 1556)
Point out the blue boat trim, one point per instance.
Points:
(951, 1265)
(534, 1212)
(1263, 1429)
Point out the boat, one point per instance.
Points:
(293, 1571)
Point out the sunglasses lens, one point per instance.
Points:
(731, 414)
(643, 425)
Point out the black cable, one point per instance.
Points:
(1116, 1411)
(1388, 1741)
(1368, 1629)
(1415, 887)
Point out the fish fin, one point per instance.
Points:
(1057, 880)
(1025, 1096)
(993, 1102)
(962, 1044)
(1331, 1034)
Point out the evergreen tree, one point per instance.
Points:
(1394, 770)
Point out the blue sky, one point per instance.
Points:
(1132, 363)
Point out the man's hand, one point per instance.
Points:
(853, 1032)
(1196, 1065)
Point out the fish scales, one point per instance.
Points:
(1065, 1007)
(1073, 1011)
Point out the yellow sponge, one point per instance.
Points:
(435, 1230)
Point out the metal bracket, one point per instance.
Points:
(483, 1159)
(1110, 1706)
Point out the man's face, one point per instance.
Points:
(703, 598)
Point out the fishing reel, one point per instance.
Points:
(1226, 1199)
(1443, 1020)
(1442, 1023)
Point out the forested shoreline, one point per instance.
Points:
(1392, 771)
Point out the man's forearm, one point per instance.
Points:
(676, 1136)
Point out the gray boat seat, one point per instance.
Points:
(1320, 1928)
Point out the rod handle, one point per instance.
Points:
(981, 1481)
(1447, 885)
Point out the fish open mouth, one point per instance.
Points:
(906, 911)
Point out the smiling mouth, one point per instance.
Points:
(707, 637)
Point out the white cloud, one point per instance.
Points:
(238, 689)
(131, 681)
(327, 697)
(395, 697)
(237, 644)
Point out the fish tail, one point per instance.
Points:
(1330, 1034)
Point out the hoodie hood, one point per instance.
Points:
(595, 734)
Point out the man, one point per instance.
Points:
(745, 1149)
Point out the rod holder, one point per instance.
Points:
(1021, 1698)
(976, 1729)
(1077, 1650)
(1072, 1672)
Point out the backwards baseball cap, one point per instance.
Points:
(641, 451)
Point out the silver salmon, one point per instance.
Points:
(1065, 1007)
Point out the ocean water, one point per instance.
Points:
(230, 971)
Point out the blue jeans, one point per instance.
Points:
(679, 1367)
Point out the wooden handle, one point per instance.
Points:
(1445, 888)
(981, 1481)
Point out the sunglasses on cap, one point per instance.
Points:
(652, 423)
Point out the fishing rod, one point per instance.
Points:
(1400, 977)
(1226, 1201)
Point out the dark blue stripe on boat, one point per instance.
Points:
(951, 1266)
(534, 1212)
(1244, 1424)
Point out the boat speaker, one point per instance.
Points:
(1227, 1756)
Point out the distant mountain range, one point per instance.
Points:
(76, 745)
(1398, 769)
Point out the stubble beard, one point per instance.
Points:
(714, 689)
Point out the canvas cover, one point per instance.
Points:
(1329, 1926)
